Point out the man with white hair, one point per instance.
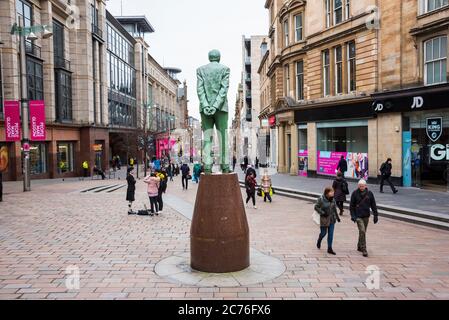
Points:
(362, 203)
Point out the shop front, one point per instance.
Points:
(425, 130)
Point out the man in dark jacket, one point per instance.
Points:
(342, 165)
(362, 202)
(185, 170)
(385, 174)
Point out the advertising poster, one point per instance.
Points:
(4, 158)
(12, 120)
(303, 163)
(37, 120)
(357, 164)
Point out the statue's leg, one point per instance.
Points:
(221, 122)
(207, 124)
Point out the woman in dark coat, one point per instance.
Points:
(340, 187)
(327, 209)
(130, 192)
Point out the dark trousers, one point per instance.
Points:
(266, 196)
(160, 202)
(185, 182)
(330, 234)
(362, 225)
(86, 172)
(251, 195)
(384, 179)
(154, 204)
(340, 205)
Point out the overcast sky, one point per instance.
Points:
(185, 31)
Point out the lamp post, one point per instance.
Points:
(30, 34)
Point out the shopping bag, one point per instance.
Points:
(316, 217)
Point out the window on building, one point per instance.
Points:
(351, 65)
(338, 11)
(343, 139)
(299, 27)
(58, 42)
(24, 11)
(431, 5)
(326, 73)
(435, 61)
(286, 33)
(327, 4)
(63, 86)
(35, 79)
(300, 80)
(65, 157)
(38, 158)
(287, 79)
(348, 9)
(338, 55)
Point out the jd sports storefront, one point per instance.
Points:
(425, 130)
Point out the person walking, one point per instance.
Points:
(362, 203)
(251, 184)
(385, 174)
(185, 170)
(131, 191)
(153, 183)
(245, 163)
(341, 188)
(234, 162)
(327, 209)
(196, 172)
(177, 170)
(99, 172)
(85, 169)
(170, 171)
(266, 186)
(342, 165)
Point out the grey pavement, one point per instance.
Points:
(407, 198)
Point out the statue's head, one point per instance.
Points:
(214, 56)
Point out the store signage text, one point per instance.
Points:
(380, 106)
(434, 128)
(418, 102)
(439, 152)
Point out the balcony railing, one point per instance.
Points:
(61, 63)
(32, 49)
(96, 30)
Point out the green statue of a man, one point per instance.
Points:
(212, 89)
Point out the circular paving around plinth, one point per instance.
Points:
(263, 268)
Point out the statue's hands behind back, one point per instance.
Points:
(209, 111)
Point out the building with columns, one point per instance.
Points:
(95, 76)
(341, 83)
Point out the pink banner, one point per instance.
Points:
(303, 162)
(357, 164)
(12, 120)
(37, 120)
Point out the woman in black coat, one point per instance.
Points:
(130, 192)
(340, 186)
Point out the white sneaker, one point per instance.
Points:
(160, 211)
(255, 207)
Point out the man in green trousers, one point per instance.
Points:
(212, 89)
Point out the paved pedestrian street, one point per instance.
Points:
(55, 232)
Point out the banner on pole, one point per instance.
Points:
(37, 120)
(12, 120)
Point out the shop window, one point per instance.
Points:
(65, 157)
(344, 139)
(435, 61)
(38, 158)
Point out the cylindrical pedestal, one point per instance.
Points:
(219, 235)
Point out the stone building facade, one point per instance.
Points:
(331, 63)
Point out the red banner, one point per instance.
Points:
(12, 120)
(37, 120)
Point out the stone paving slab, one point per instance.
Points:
(57, 227)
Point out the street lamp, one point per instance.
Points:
(30, 34)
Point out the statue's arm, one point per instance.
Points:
(201, 91)
(222, 94)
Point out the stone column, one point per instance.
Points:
(312, 146)
(281, 148)
(294, 149)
